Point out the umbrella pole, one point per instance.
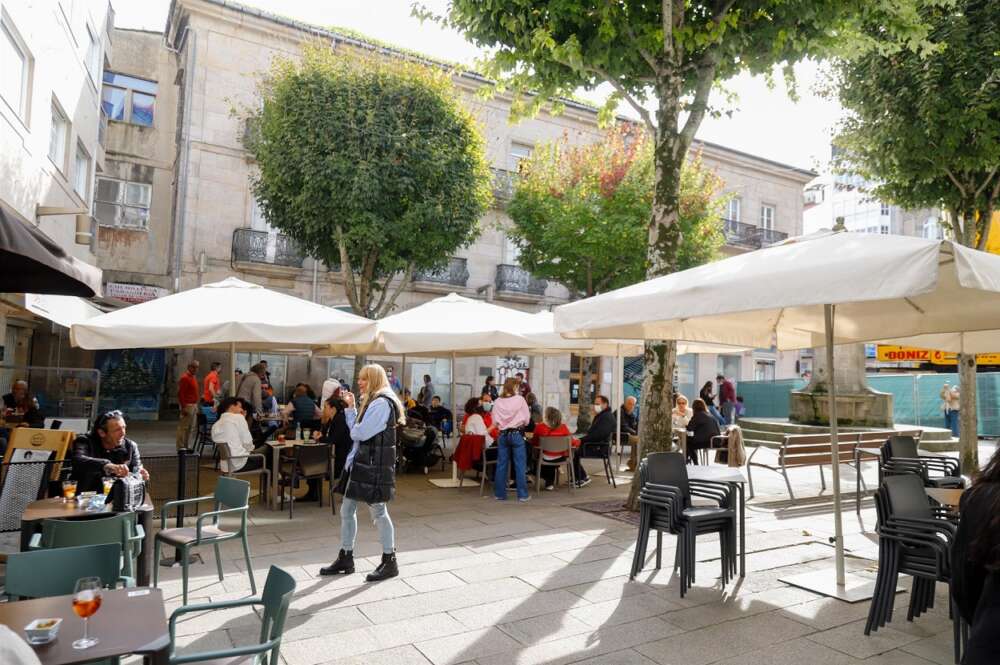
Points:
(542, 400)
(618, 388)
(829, 312)
(232, 368)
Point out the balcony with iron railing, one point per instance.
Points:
(504, 182)
(262, 247)
(739, 234)
(515, 281)
(453, 275)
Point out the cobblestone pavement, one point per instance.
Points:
(544, 583)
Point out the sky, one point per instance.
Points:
(764, 122)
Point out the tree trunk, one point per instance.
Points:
(968, 424)
(584, 402)
(655, 424)
(360, 361)
(660, 358)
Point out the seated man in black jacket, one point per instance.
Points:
(597, 441)
(105, 452)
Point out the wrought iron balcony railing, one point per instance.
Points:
(276, 249)
(517, 280)
(456, 273)
(739, 234)
(503, 184)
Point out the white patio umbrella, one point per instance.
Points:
(455, 326)
(819, 290)
(231, 314)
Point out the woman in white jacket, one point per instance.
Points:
(233, 430)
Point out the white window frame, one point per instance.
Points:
(515, 158)
(735, 205)
(21, 107)
(128, 104)
(884, 210)
(121, 204)
(92, 59)
(83, 180)
(62, 142)
(767, 221)
(884, 229)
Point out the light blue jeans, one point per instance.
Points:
(349, 525)
(511, 444)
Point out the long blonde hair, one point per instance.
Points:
(378, 384)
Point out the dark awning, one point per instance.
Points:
(31, 262)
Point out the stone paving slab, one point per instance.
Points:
(488, 583)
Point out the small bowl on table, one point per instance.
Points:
(42, 631)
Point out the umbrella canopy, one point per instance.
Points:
(457, 325)
(226, 315)
(30, 261)
(885, 287)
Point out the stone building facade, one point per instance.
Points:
(202, 223)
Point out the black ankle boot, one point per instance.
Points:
(385, 570)
(344, 565)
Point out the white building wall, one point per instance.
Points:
(55, 37)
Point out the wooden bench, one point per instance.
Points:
(797, 450)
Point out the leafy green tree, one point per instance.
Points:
(370, 163)
(580, 217)
(924, 129)
(662, 59)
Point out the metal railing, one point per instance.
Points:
(254, 246)
(517, 280)
(456, 273)
(504, 182)
(740, 234)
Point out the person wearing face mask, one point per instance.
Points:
(597, 440)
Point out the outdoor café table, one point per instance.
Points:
(735, 478)
(945, 496)
(276, 448)
(130, 621)
(55, 508)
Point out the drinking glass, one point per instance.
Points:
(108, 483)
(69, 490)
(86, 602)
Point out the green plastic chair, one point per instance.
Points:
(278, 590)
(54, 572)
(121, 528)
(231, 497)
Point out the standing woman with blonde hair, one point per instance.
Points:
(369, 474)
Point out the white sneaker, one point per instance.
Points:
(584, 482)
(524, 500)
(550, 488)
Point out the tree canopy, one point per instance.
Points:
(581, 213)
(369, 162)
(924, 128)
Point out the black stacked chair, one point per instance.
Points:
(914, 539)
(305, 462)
(665, 505)
(899, 456)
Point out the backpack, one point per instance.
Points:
(127, 494)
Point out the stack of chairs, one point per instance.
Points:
(915, 539)
(900, 456)
(665, 505)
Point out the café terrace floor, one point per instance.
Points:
(542, 583)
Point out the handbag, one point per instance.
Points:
(127, 494)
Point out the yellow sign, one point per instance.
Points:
(891, 353)
(993, 242)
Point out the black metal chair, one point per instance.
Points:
(665, 505)
(601, 451)
(203, 435)
(900, 456)
(915, 539)
(304, 462)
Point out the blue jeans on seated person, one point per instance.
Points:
(511, 444)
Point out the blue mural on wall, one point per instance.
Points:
(132, 381)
